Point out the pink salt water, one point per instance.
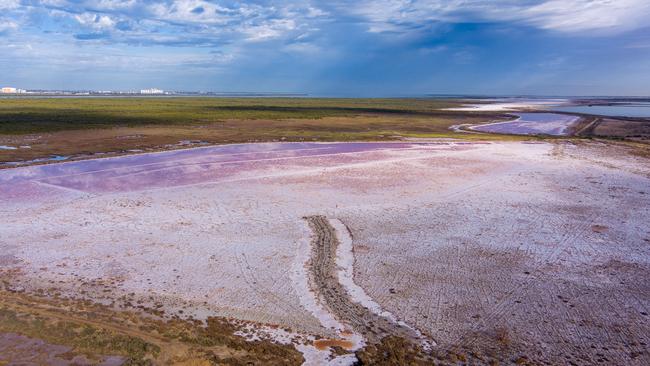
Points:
(177, 168)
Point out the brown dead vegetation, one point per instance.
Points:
(93, 330)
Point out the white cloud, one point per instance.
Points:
(53, 3)
(313, 12)
(62, 54)
(609, 16)
(95, 21)
(179, 22)
(114, 4)
(586, 15)
(9, 4)
(268, 29)
(192, 11)
(304, 48)
(273, 19)
(7, 25)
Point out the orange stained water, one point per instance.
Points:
(323, 344)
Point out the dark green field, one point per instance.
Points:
(32, 115)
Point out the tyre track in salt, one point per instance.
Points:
(323, 277)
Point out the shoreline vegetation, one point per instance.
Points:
(42, 130)
(95, 127)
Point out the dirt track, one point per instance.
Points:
(324, 279)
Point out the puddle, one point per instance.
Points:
(40, 160)
(599, 228)
(324, 344)
(192, 142)
(5, 147)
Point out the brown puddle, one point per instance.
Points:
(599, 228)
(323, 344)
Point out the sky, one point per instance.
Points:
(330, 48)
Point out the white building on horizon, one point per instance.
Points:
(152, 91)
(12, 90)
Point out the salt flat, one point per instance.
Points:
(494, 249)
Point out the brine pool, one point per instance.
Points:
(554, 124)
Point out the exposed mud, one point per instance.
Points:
(325, 280)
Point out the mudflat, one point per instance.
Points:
(475, 251)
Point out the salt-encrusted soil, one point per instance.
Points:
(494, 250)
(334, 295)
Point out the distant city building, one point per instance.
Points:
(11, 90)
(152, 91)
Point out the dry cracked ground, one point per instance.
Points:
(439, 252)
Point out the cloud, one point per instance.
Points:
(28, 52)
(268, 30)
(96, 21)
(113, 4)
(6, 26)
(195, 12)
(205, 23)
(407, 42)
(9, 4)
(588, 15)
(303, 48)
(177, 22)
(572, 16)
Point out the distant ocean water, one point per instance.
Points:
(616, 110)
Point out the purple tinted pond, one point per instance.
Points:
(175, 168)
(532, 124)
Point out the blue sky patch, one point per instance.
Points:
(342, 48)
